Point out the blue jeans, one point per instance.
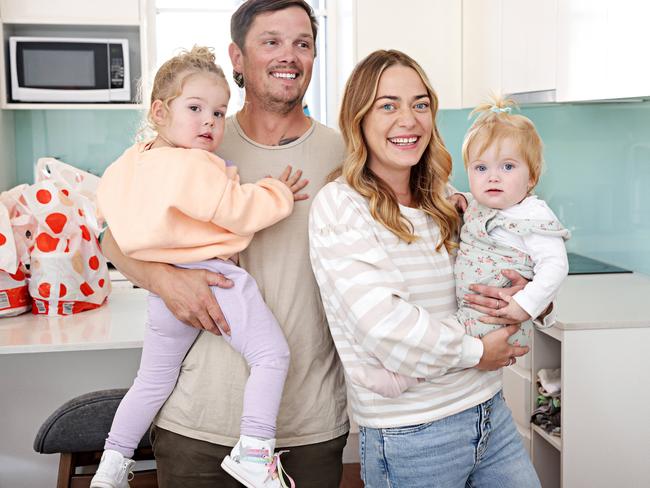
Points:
(477, 448)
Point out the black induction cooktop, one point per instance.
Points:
(583, 265)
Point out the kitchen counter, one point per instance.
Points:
(600, 344)
(118, 324)
(604, 301)
(46, 361)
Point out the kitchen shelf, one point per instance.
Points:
(554, 332)
(554, 441)
(600, 338)
(73, 106)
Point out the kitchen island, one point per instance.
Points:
(45, 361)
(601, 343)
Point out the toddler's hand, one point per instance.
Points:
(294, 183)
(458, 201)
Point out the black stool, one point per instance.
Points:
(77, 430)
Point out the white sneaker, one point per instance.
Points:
(114, 471)
(253, 464)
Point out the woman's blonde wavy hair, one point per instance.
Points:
(169, 80)
(496, 122)
(428, 177)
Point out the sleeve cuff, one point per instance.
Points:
(548, 320)
(523, 300)
(472, 351)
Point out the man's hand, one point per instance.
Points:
(187, 294)
(497, 353)
(489, 299)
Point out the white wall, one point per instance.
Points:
(7, 154)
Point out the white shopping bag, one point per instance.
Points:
(14, 250)
(68, 271)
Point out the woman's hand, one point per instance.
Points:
(187, 294)
(497, 353)
(490, 300)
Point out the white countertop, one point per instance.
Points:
(584, 302)
(604, 301)
(118, 324)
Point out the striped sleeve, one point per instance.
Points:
(351, 263)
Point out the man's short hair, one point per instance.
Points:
(242, 19)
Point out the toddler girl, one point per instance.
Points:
(172, 200)
(505, 227)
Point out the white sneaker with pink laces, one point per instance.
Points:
(114, 471)
(253, 463)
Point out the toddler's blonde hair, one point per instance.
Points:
(169, 80)
(495, 123)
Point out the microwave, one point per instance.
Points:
(58, 69)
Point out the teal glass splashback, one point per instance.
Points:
(597, 177)
(87, 139)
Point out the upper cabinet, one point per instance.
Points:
(528, 45)
(481, 50)
(429, 31)
(113, 12)
(603, 47)
(509, 47)
(555, 50)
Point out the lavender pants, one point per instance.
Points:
(255, 334)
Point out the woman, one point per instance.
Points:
(381, 235)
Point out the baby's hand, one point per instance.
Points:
(294, 183)
(459, 201)
(512, 309)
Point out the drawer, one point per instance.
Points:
(516, 390)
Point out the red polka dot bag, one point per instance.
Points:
(68, 271)
(14, 293)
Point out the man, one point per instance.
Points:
(272, 53)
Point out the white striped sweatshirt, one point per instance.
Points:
(390, 304)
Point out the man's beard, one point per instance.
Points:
(275, 104)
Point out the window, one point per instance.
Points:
(183, 23)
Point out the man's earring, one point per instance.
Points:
(239, 78)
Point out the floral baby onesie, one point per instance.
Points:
(482, 257)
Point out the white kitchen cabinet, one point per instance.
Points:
(603, 52)
(601, 344)
(481, 50)
(107, 12)
(528, 45)
(509, 46)
(427, 30)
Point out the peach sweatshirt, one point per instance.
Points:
(176, 205)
